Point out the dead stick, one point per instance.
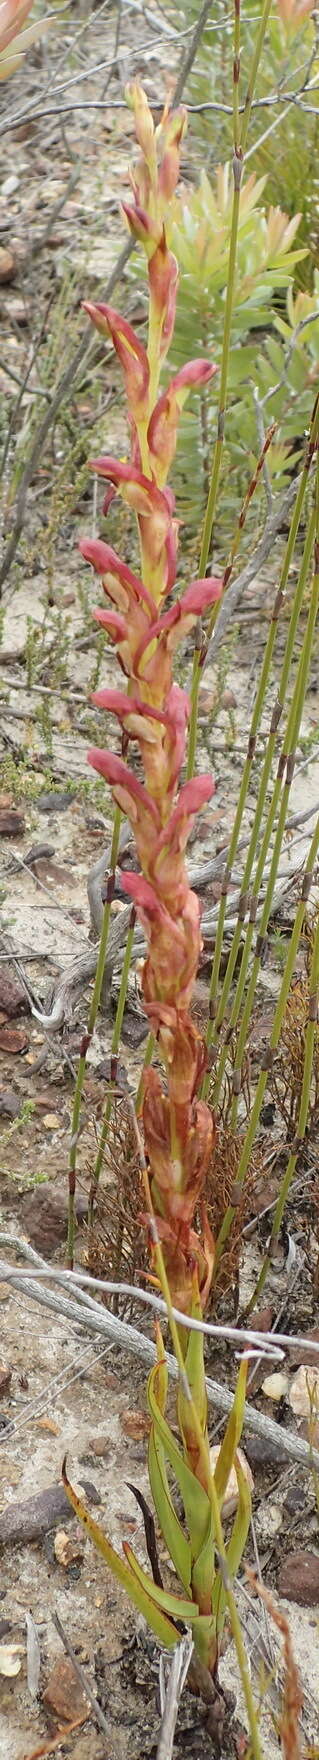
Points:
(171, 1693)
(81, 1677)
(128, 1338)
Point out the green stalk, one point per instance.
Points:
(94, 1006)
(285, 767)
(287, 757)
(305, 1093)
(311, 1024)
(256, 1751)
(148, 1054)
(238, 160)
(218, 1013)
(115, 1044)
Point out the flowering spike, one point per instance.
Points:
(169, 136)
(178, 1126)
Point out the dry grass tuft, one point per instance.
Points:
(289, 1726)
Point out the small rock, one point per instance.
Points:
(9, 1103)
(8, 265)
(68, 1550)
(55, 803)
(31, 1519)
(17, 310)
(268, 1520)
(276, 1386)
(100, 1446)
(304, 1392)
(13, 1039)
(13, 997)
(295, 1500)
(305, 1354)
(231, 1493)
(63, 1697)
(265, 1452)
(10, 1659)
(11, 183)
(44, 1215)
(12, 822)
(136, 1424)
(299, 1578)
(5, 1378)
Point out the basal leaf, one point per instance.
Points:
(236, 1544)
(195, 1500)
(177, 1544)
(232, 1436)
(137, 1587)
(164, 1600)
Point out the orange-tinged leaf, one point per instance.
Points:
(137, 1590)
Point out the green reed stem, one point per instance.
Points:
(286, 760)
(311, 1024)
(94, 1006)
(285, 768)
(148, 1054)
(238, 160)
(115, 1043)
(305, 1093)
(218, 1012)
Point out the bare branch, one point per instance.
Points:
(127, 1337)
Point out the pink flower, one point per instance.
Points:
(131, 354)
(12, 16)
(154, 509)
(163, 425)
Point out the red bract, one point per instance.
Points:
(154, 712)
(131, 354)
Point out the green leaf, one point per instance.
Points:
(175, 1540)
(236, 1544)
(195, 1500)
(194, 1369)
(232, 1436)
(169, 1603)
(140, 1589)
(203, 1575)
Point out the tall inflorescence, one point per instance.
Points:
(153, 711)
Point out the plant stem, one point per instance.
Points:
(210, 1481)
(94, 1006)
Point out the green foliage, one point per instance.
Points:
(270, 364)
(275, 343)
